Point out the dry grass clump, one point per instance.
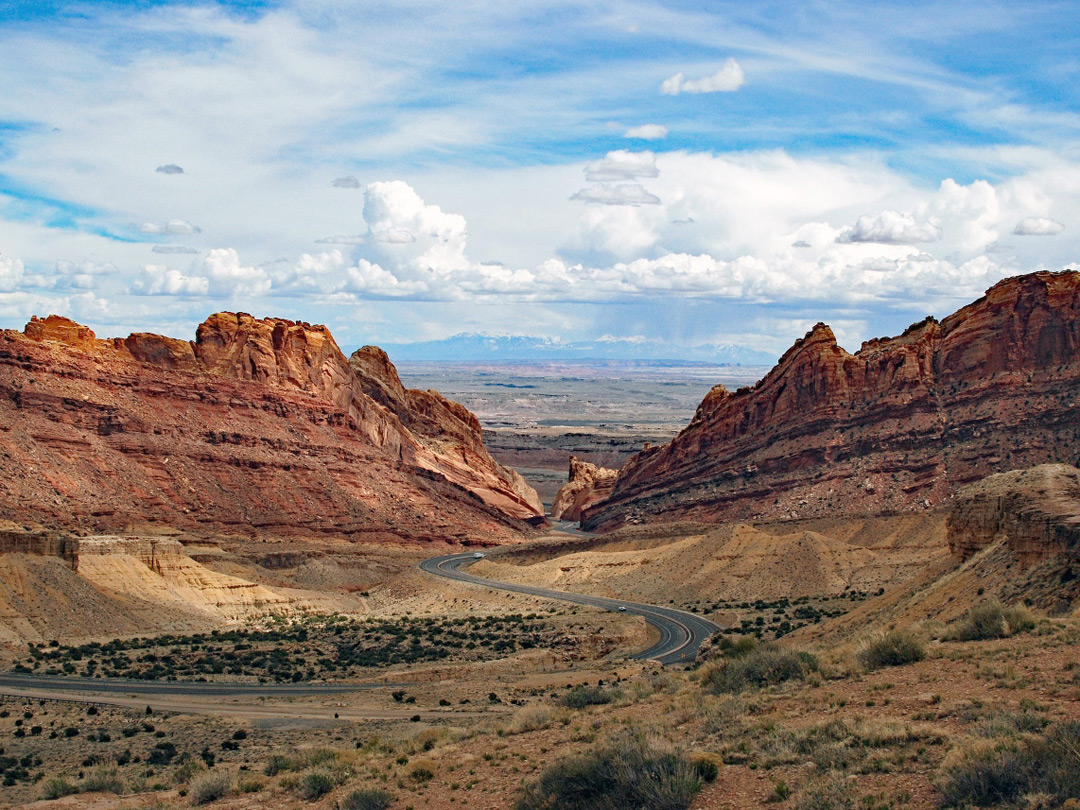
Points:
(830, 792)
(370, 798)
(210, 786)
(892, 649)
(530, 718)
(584, 695)
(632, 772)
(103, 779)
(57, 788)
(762, 666)
(1001, 772)
(315, 783)
(991, 620)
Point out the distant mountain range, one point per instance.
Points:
(479, 348)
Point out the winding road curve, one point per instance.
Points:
(681, 633)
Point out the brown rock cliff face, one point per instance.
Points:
(258, 426)
(898, 425)
(587, 485)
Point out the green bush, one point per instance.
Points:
(209, 787)
(990, 620)
(892, 649)
(631, 773)
(57, 788)
(367, 799)
(763, 666)
(584, 695)
(315, 784)
(278, 763)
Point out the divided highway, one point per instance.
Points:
(681, 633)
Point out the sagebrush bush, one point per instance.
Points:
(103, 779)
(367, 799)
(57, 788)
(278, 763)
(530, 718)
(315, 784)
(210, 786)
(584, 695)
(989, 621)
(892, 649)
(1049, 764)
(763, 666)
(630, 773)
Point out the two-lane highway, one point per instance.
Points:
(681, 633)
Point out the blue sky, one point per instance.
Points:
(405, 171)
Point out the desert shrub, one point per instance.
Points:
(631, 773)
(367, 799)
(831, 792)
(279, 763)
(103, 779)
(763, 666)
(187, 769)
(530, 718)
(250, 784)
(315, 784)
(985, 776)
(892, 649)
(57, 788)
(209, 787)
(584, 695)
(990, 620)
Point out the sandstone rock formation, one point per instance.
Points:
(258, 427)
(899, 425)
(587, 485)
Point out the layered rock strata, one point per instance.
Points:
(259, 426)
(899, 425)
(587, 485)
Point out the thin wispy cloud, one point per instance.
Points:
(727, 79)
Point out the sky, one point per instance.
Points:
(684, 172)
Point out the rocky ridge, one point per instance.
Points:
(257, 427)
(587, 485)
(899, 425)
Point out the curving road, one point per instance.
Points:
(681, 633)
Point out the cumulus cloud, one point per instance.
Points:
(174, 227)
(394, 236)
(346, 182)
(169, 168)
(616, 194)
(173, 249)
(1038, 226)
(156, 279)
(647, 132)
(890, 228)
(622, 165)
(727, 79)
(414, 238)
(11, 273)
(222, 266)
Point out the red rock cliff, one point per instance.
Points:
(258, 426)
(898, 425)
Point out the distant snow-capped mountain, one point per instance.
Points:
(471, 347)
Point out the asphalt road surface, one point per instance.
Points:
(681, 633)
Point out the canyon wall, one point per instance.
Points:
(899, 425)
(258, 427)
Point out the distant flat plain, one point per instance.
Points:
(536, 415)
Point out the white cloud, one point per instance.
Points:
(622, 165)
(227, 275)
(727, 79)
(616, 194)
(394, 236)
(175, 227)
(11, 273)
(173, 249)
(156, 279)
(890, 228)
(1038, 226)
(647, 132)
(169, 168)
(346, 182)
(415, 238)
(355, 239)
